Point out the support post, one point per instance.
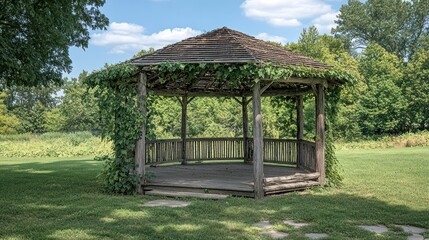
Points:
(244, 104)
(258, 143)
(299, 128)
(320, 132)
(183, 127)
(140, 151)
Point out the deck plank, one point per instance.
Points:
(219, 176)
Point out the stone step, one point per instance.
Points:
(186, 194)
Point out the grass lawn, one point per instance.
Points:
(60, 199)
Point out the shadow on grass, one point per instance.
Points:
(62, 200)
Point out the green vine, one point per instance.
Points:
(120, 122)
(116, 89)
(333, 169)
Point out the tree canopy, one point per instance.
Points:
(36, 36)
(396, 25)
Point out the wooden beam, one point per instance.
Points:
(245, 129)
(258, 143)
(299, 127)
(140, 151)
(237, 100)
(266, 87)
(320, 133)
(190, 99)
(306, 81)
(202, 93)
(183, 127)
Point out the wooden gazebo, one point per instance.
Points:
(269, 166)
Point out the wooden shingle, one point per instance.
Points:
(225, 45)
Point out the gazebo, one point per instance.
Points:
(251, 166)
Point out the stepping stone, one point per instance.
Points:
(316, 235)
(274, 234)
(411, 229)
(295, 224)
(415, 237)
(263, 224)
(166, 203)
(375, 228)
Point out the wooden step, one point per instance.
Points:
(288, 187)
(199, 190)
(297, 177)
(186, 194)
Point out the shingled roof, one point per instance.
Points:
(225, 45)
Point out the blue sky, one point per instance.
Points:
(141, 24)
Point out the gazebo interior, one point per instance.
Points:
(251, 165)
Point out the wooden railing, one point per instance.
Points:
(161, 151)
(280, 151)
(283, 151)
(214, 148)
(308, 155)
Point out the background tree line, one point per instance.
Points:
(384, 43)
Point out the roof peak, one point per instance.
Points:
(225, 45)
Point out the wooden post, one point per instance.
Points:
(183, 128)
(140, 152)
(245, 129)
(299, 128)
(258, 143)
(320, 132)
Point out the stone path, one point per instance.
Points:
(295, 224)
(166, 203)
(375, 228)
(316, 235)
(263, 224)
(415, 237)
(416, 233)
(274, 234)
(277, 234)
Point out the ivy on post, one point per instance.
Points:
(140, 153)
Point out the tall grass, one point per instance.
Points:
(420, 139)
(53, 144)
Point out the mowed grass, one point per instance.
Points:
(55, 198)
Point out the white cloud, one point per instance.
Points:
(325, 22)
(271, 38)
(128, 37)
(285, 12)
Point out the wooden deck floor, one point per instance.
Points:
(232, 178)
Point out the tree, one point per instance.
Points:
(79, 107)
(30, 104)
(383, 104)
(35, 37)
(333, 52)
(416, 88)
(9, 123)
(396, 25)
